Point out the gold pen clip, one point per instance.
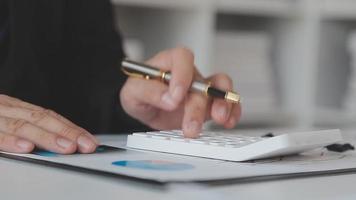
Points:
(162, 76)
(135, 75)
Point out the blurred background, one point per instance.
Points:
(293, 61)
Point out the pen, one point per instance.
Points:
(139, 70)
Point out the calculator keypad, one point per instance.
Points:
(206, 138)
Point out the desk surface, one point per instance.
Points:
(21, 180)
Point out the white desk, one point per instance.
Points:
(21, 180)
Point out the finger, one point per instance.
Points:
(71, 124)
(43, 119)
(138, 93)
(234, 116)
(181, 66)
(11, 143)
(37, 136)
(221, 109)
(11, 101)
(194, 114)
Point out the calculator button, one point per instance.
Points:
(241, 141)
(216, 143)
(233, 146)
(170, 133)
(199, 141)
(140, 134)
(177, 131)
(175, 136)
(227, 140)
(180, 139)
(158, 137)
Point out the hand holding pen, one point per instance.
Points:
(178, 104)
(140, 70)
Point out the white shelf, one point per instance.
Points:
(162, 4)
(252, 7)
(256, 7)
(338, 9)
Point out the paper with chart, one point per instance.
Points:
(168, 167)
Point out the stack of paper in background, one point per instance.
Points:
(350, 100)
(246, 57)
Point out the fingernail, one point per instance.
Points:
(85, 142)
(177, 93)
(97, 142)
(64, 143)
(93, 138)
(167, 100)
(23, 144)
(193, 127)
(223, 112)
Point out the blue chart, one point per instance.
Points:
(99, 149)
(159, 165)
(45, 153)
(155, 165)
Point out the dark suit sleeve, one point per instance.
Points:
(65, 55)
(92, 77)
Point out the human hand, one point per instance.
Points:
(172, 106)
(24, 126)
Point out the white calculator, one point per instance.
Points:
(231, 146)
